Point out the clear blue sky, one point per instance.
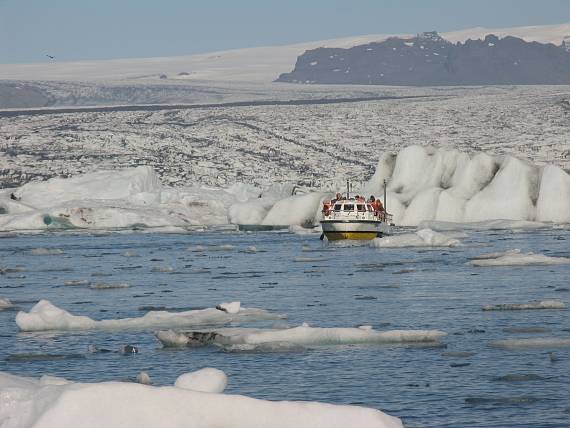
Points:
(97, 29)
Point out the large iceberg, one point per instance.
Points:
(54, 402)
(429, 184)
(135, 198)
(425, 184)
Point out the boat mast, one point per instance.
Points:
(347, 189)
(385, 206)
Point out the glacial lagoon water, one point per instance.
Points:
(463, 382)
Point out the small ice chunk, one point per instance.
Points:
(230, 308)
(204, 380)
(313, 63)
(251, 249)
(76, 282)
(544, 304)
(535, 342)
(129, 254)
(143, 378)
(46, 251)
(163, 269)
(516, 259)
(5, 304)
(108, 285)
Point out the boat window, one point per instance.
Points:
(337, 207)
(349, 207)
(360, 207)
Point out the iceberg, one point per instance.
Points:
(302, 335)
(425, 184)
(54, 402)
(44, 316)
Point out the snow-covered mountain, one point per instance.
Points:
(262, 64)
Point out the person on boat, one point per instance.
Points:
(376, 205)
(336, 198)
(327, 207)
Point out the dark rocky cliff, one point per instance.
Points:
(429, 60)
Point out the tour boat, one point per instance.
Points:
(354, 218)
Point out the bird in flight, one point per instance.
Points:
(50, 56)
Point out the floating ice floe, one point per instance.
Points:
(534, 342)
(5, 304)
(54, 402)
(421, 238)
(45, 316)
(46, 251)
(303, 335)
(108, 285)
(544, 304)
(516, 258)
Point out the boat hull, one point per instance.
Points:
(336, 230)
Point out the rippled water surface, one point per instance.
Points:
(465, 383)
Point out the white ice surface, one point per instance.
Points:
(45, 316)
(204, 380)
(427, 184)
(53, 402)
(307, 336)
(421, 238)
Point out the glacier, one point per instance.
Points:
(425, 185)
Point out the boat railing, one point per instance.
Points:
(331, 214)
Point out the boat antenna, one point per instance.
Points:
(385, 206)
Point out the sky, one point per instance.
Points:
(107, 29)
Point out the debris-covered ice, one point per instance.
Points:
(54, 402)
(302, 335)
(45, 316)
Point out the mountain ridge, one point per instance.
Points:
(430, 60)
